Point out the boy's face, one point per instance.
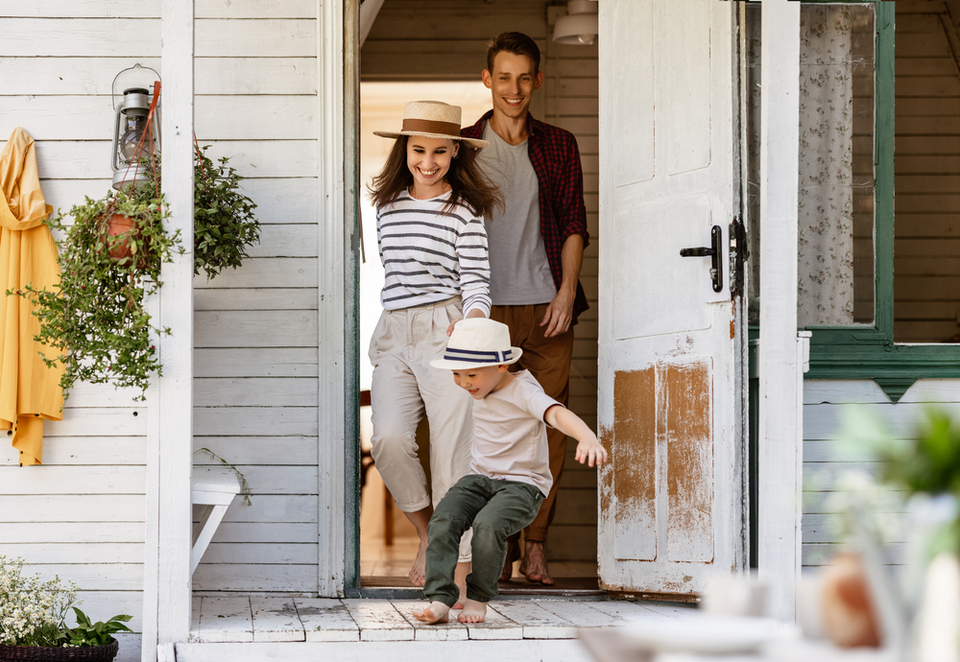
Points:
(480, 382)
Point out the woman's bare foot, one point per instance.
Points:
(418, 573)
(460, 577)
(513, 553)
(420, 519)
(534, 564)
(437, 612)
(473, 612)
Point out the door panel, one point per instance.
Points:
(672, 499)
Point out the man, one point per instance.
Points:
(536, 247)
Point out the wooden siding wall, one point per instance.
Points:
(927, 249)
(81, 514)
(450, 44)
(826, 404)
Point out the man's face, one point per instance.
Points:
(512, 82)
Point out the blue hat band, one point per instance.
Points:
(476, 356)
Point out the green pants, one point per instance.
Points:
(495, 509)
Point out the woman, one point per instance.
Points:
(431, 200)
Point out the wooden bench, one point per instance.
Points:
(213, 490)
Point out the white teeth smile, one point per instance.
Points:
(428, 173)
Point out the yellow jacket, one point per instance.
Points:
(29, 390)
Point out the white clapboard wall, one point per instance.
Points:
(451, 44)
(829, 461)
(81, 514)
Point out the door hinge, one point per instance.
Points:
(738, 256)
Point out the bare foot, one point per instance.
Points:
(418, 573)
(437, 612)
(534, 564)
(473, 612)
(513, 553)
(460, 577)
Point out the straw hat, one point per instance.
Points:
(478, 342)
(432, 119)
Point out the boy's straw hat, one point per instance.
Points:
(478, 342)
(432, 119)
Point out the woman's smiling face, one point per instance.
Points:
(429, 161)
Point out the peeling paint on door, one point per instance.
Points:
(689, 448)
(634, 476)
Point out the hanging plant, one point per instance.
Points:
(94, 320)
(224, 224)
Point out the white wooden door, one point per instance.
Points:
(671, 359)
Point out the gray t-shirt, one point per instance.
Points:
(519, 270)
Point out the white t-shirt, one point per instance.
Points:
(510, 435)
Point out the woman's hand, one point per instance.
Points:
(473, 312)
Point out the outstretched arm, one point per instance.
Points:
(589, 449)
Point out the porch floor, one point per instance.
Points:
(295, 619)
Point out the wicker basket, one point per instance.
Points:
(103, 653)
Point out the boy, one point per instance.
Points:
(510, 472)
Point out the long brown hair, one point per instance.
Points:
(469, 186)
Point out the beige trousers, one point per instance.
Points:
(404, 388)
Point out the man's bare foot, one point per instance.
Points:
(437, 612)
(473, 612)
(418, 573)
(534, 564)
(513, 553)
(460, 578)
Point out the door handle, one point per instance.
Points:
(714, 252)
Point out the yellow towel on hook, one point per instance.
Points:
(29, 390)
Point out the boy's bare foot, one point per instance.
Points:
(473, 612)
(437, 612)
(418, 573)
(460, 578)
(534, 564)
(513, 553)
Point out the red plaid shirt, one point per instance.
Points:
(556, 160)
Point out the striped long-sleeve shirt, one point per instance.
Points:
(431, 254)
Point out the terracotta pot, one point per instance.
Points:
(849, 614)
(103, 653)
(118, 224)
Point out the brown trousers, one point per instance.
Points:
(548, 360)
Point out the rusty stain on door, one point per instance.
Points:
(662, 458)
(634, 464)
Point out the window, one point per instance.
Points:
(874, 316)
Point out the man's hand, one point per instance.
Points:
(559, 315)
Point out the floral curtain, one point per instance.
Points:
(825, 250)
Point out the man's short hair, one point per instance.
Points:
(516, 43)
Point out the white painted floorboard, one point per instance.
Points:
(291, 620)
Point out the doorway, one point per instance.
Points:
(405, 59)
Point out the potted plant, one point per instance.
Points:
(33, 620)
(224, 224)
(94, 320)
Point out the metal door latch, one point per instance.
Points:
(714, 252)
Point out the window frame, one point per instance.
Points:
(864, 351)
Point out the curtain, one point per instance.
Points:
(825, 246)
